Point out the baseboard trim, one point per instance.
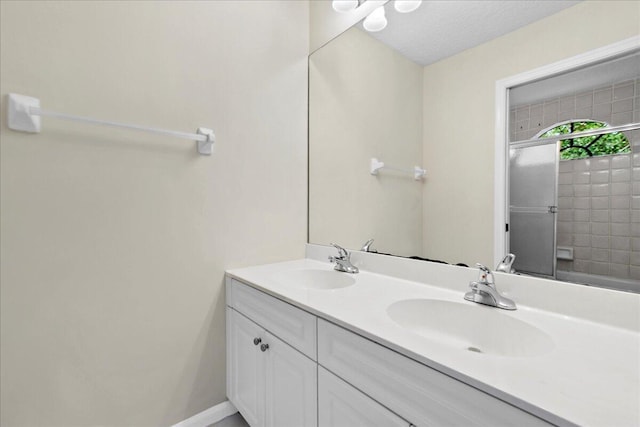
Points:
(209, 416)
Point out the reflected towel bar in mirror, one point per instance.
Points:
(375, 165)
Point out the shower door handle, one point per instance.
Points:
(553, 209)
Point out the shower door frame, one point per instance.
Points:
(501, 156)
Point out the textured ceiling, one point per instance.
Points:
(438, 29)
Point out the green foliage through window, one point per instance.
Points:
(588, 146)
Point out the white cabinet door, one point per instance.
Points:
(291, 386)
(341, 405)
(246, 367)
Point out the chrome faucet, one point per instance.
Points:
(367, 246)
(506, 265)
(484, 291)
(343, 260)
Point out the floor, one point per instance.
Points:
(234, 420)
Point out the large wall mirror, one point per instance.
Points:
(369, 97)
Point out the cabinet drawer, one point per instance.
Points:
(292, 325)
(416, 392)
(341, 405)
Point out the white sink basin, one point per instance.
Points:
(316, 279)
(471, 327)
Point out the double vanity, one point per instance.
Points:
(397, 344)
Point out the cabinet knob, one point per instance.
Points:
(264, 347)
(257, 341)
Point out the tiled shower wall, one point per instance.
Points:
(598, 198)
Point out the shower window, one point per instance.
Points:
(587, 146)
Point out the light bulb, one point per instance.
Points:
(376, 20)
(406, 6)
(343, 6)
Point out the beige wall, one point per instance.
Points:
(359, 112)
(459, 118)
(114, 243)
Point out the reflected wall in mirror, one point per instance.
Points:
(448, 216)
(366, 103)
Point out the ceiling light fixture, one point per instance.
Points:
(344, 6)
(376, 21)
(406, 6)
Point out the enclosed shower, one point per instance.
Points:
(574, 175)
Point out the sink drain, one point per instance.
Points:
(474, 349)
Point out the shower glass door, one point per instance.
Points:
(533, 176)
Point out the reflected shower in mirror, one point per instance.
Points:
(574, 203)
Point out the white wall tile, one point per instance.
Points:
(602, 112)
(622, 161)
(620, 215)
(600, 163)
(565, 215)
(582, 252)
(620, 175)
(600, 228)
(522, 113)
(582, 240)
(584, 113)
(584, 100)
(621, 243)
(581, 164)
(535, 111)
(581, 227)
(603, 96)
(620, 188)
(581, 203)
(564, 239)
(620, 229)
(565, 202)
(620, 257)
(600, 242)
(567, 103)
(622, 106)
(566, 190)
(582, 177)
(581, 215)
(565, 178)
(599, 215)
(620, 202)
(596, 189)
(601, 202)
(601, 255)
(581, 266)
(623, 91)
(566, 166)
(618, 119)
(619, 270)
(599, 268)
(601, 176)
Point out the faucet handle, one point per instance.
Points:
(367, 246)
(343, 253)
(486, 276)
(506, 265)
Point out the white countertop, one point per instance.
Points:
(590, 378)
